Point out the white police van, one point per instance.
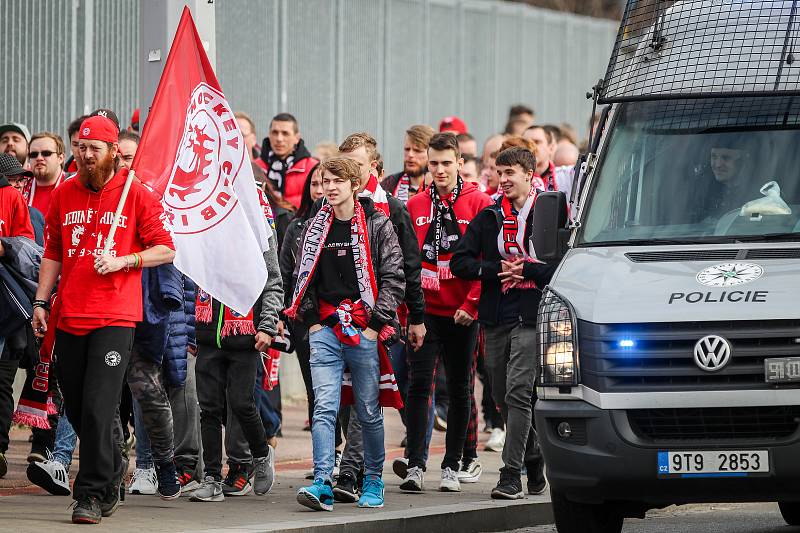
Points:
(669, 336)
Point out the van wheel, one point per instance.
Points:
(574, 517)
(790, 512)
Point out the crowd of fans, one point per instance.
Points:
(394, 289)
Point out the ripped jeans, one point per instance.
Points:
(328, 359)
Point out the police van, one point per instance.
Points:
(669, 337)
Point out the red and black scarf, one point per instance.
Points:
(511, 237)
(232, 322)
(36, 401)
(402, 190)
(547, 180)
(441, 239)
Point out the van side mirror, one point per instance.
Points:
(550, 233)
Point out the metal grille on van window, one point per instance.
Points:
(703, 48)
(682, 255)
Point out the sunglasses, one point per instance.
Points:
(45, 154)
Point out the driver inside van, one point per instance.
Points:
(734, 181)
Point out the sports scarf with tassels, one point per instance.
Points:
(350, 315)
(232, 322)
(36, 400)
(440, 240)
(511, 238)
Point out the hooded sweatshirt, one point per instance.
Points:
(453, 294)
(78, 223)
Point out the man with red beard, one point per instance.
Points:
(99, 302)
(404, 185)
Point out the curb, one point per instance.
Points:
(471, 517)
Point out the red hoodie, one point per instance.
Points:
(15, 221)
(77, 223)
(454, 294)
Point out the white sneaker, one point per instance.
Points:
(470, 472)
(52, 476)
(414, 480)
(144, 481)
(449, 481)
(496, 441)
(337, 461)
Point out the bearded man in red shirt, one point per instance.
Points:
(98, 303)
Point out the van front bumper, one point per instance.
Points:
(603, 460)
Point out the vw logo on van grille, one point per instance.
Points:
(712, 353)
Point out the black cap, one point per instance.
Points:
(9, 166)
(108, 113)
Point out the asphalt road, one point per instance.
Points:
(717, 518)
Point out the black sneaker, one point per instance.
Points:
(111, 500)
(346, 489)
(508, 488)
(86, 511)
(168, 486)
(187, 477)
(237, 482)
(537, 482)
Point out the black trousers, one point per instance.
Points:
(91, 370)
(456, 346)
(8, 370)
(232, 373)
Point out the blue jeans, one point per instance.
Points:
(66, 439)
(328, 359)
(144, 457)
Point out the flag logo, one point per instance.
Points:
(200, 193)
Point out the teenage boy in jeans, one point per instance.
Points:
(496, 250)
(350, 281)
(440, 215)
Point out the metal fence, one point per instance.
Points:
(338, 65)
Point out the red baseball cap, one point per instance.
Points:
(454, 124)
(135, 119)
(99, 128)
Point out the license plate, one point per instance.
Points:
(731, 463)
(782, 370)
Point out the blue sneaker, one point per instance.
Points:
(318, 496)
(371, 492)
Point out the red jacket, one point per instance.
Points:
(295, 179)
(78, 222)
(454, 294)
(15, 221)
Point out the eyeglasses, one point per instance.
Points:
(45, 154)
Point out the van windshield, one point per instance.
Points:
(721, 170)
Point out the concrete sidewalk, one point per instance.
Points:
(25, 508)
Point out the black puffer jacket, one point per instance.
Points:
(387, 263)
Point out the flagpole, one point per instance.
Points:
(118, 213)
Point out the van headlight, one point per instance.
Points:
(557, 342)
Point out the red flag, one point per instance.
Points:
(193, 154)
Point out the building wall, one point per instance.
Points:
(338, 65)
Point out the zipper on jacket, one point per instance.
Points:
(219, 325)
